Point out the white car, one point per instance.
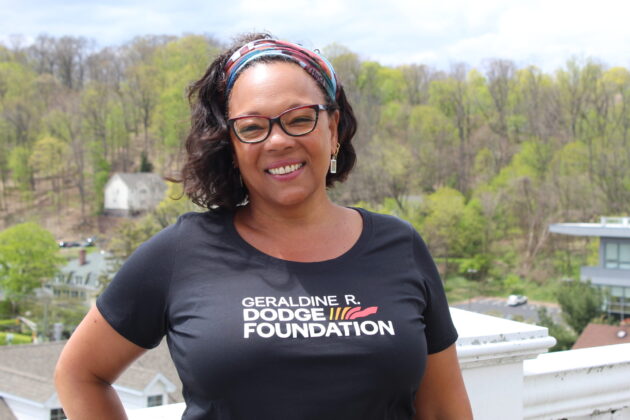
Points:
(516, 300)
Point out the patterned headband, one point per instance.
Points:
(316, 65)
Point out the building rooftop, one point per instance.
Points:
(610, 227)
(26, 371)
(602, 335)
(86, 274)
(141, 179)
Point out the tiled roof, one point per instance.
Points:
(602, 335)
(27, 370)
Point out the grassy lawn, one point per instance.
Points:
(459, 289)
(17, 339)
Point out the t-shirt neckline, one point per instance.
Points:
(258, 254)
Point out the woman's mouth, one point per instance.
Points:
(284, 170)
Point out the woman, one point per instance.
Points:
(276, 303)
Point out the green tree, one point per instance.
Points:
(49, 160)
(565, 338)
(28, 256)
(21, 171)
(580, 303)
(452, 227)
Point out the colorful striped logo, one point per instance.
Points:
(349, 312)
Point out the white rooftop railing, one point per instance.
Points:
(607, 220)
(579, 384)
(508, 377)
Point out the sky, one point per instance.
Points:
(439, 33)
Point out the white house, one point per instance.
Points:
(127, 194)
(27, 390)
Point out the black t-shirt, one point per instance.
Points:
(256, 337)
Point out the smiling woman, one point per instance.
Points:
(277, 303)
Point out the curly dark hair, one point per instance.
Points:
(209, 175)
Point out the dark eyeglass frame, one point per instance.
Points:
(277, 119)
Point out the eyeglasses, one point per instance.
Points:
(295, 122)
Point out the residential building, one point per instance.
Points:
(27, 390)
(612, 273)
(133, 193)
(80, 278)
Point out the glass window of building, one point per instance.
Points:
(154, 400)
(624, 256)
(612, 255)
(617, 255)
(57, 414)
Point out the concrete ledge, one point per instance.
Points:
(488, 340)
(585, 382)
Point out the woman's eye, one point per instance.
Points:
(249, 128)
(301, 120)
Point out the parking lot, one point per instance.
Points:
(498, 307)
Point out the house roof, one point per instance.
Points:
(27, 370)
(602, 335)
(609, 227)
(87, 275)
(141, 179)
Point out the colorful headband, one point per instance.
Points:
(316, 65)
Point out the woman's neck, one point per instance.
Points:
(272, 218)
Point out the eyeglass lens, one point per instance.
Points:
(296, 122)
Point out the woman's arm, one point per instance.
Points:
(90, 362)
(442, 394)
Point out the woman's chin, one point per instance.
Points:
(292, 197)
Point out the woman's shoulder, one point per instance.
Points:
(383, 221)
(190, 227)
(202, 222)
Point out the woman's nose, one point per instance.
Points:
(278, 139)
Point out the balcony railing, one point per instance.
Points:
(509, 378)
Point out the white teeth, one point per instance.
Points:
(283, 170)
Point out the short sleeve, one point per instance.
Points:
(439, 331)
(134, 303)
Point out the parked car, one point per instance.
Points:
(68, 244)
(91, 241)
(516, 300)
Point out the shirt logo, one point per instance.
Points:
(305, 317)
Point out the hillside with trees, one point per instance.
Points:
(480, 160)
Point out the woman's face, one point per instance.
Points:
(282, 170)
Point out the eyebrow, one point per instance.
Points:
(259, 114)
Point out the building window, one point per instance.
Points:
(154, 400)
(57, 414)
(617, 255)
(617, 300)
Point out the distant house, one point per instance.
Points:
(128, 194)
(612, 273)
(27, 390)
(80, 278)
(595, 335)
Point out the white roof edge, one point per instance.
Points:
(159, 377)
(591, 229)
(8, 396)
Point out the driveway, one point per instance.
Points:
(498, 307)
